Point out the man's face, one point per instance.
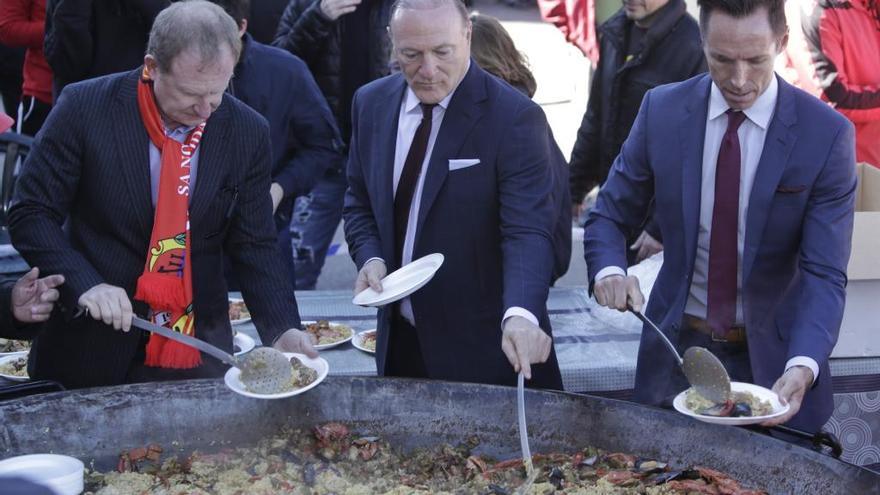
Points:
(433, 47)
(192, 89)
(740, 54)
(638, 10)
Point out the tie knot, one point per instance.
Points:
(427, 110)
(734, 119)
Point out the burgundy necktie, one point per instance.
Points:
(721, 311)
(409, 177)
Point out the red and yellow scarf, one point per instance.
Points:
(166, 284)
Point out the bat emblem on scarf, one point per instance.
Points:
(166, 245)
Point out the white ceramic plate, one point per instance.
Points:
(756, 390)
(402, 282)
(239, 321)
(358, 340)
(60, 473)
(12, 357)
(233, 380)
(321, 347)
(243, 342)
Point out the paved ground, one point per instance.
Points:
(562, 74)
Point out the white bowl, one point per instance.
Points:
(60, 473)
(319, 364)
(758, 391)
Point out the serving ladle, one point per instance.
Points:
(702, 369)
(264, 370)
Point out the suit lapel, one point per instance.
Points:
(692, 133)
(132, 144)
(774, 157)
(461, 116)
(212, 161)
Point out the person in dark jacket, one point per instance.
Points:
(91, 38)
(645, 44)
(346, 45)
(493, 50)
(302, 132)
(263, 19)
(11, 75)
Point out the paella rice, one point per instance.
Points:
(334, 459)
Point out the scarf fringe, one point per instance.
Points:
(165, 353)
(161, 292)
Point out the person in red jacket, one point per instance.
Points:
(21, 24)
(834, 53)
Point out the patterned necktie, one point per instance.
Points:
(406, 187)
(721, 311)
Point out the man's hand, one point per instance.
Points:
(646, 246)
(791, 387)
(33, 298)
(295, 340)
(615, 291)
(333, 9)
(277, 194)
(370, 275)
(109, 304)
(524, 344)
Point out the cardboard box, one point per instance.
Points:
(860, 330)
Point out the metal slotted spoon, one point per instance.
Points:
(702, 369)
(531, 472)
(264, 370)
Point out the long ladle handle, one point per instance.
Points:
(186, 340)
(651, 324)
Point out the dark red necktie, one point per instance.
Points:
(721, 311)
(409, 177)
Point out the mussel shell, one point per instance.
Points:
(741, 409)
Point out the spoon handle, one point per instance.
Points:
(184, 339)
(647, 321)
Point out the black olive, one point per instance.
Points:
(497, 490)
(741, 409)
(556, 478)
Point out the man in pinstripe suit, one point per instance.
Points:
(85, 201)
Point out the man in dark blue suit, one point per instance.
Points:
(755, 188)
(97, 169)
(447, 158)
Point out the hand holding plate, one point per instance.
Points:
(791, 387)
(295, 340)
(370, 275)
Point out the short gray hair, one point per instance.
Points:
(192, 24)
(459, 5)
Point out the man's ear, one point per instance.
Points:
(242, 28)
(783, 42)
(150, 66)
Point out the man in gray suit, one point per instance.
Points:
(156, 175)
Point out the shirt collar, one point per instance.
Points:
(759, 113)
(412, 101)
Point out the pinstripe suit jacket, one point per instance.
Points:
(82, 208)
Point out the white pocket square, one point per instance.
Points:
(457, 164)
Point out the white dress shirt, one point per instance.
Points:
(752, 134)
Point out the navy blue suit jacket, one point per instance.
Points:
(89, 169)
(797, 236)
(492, 221)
